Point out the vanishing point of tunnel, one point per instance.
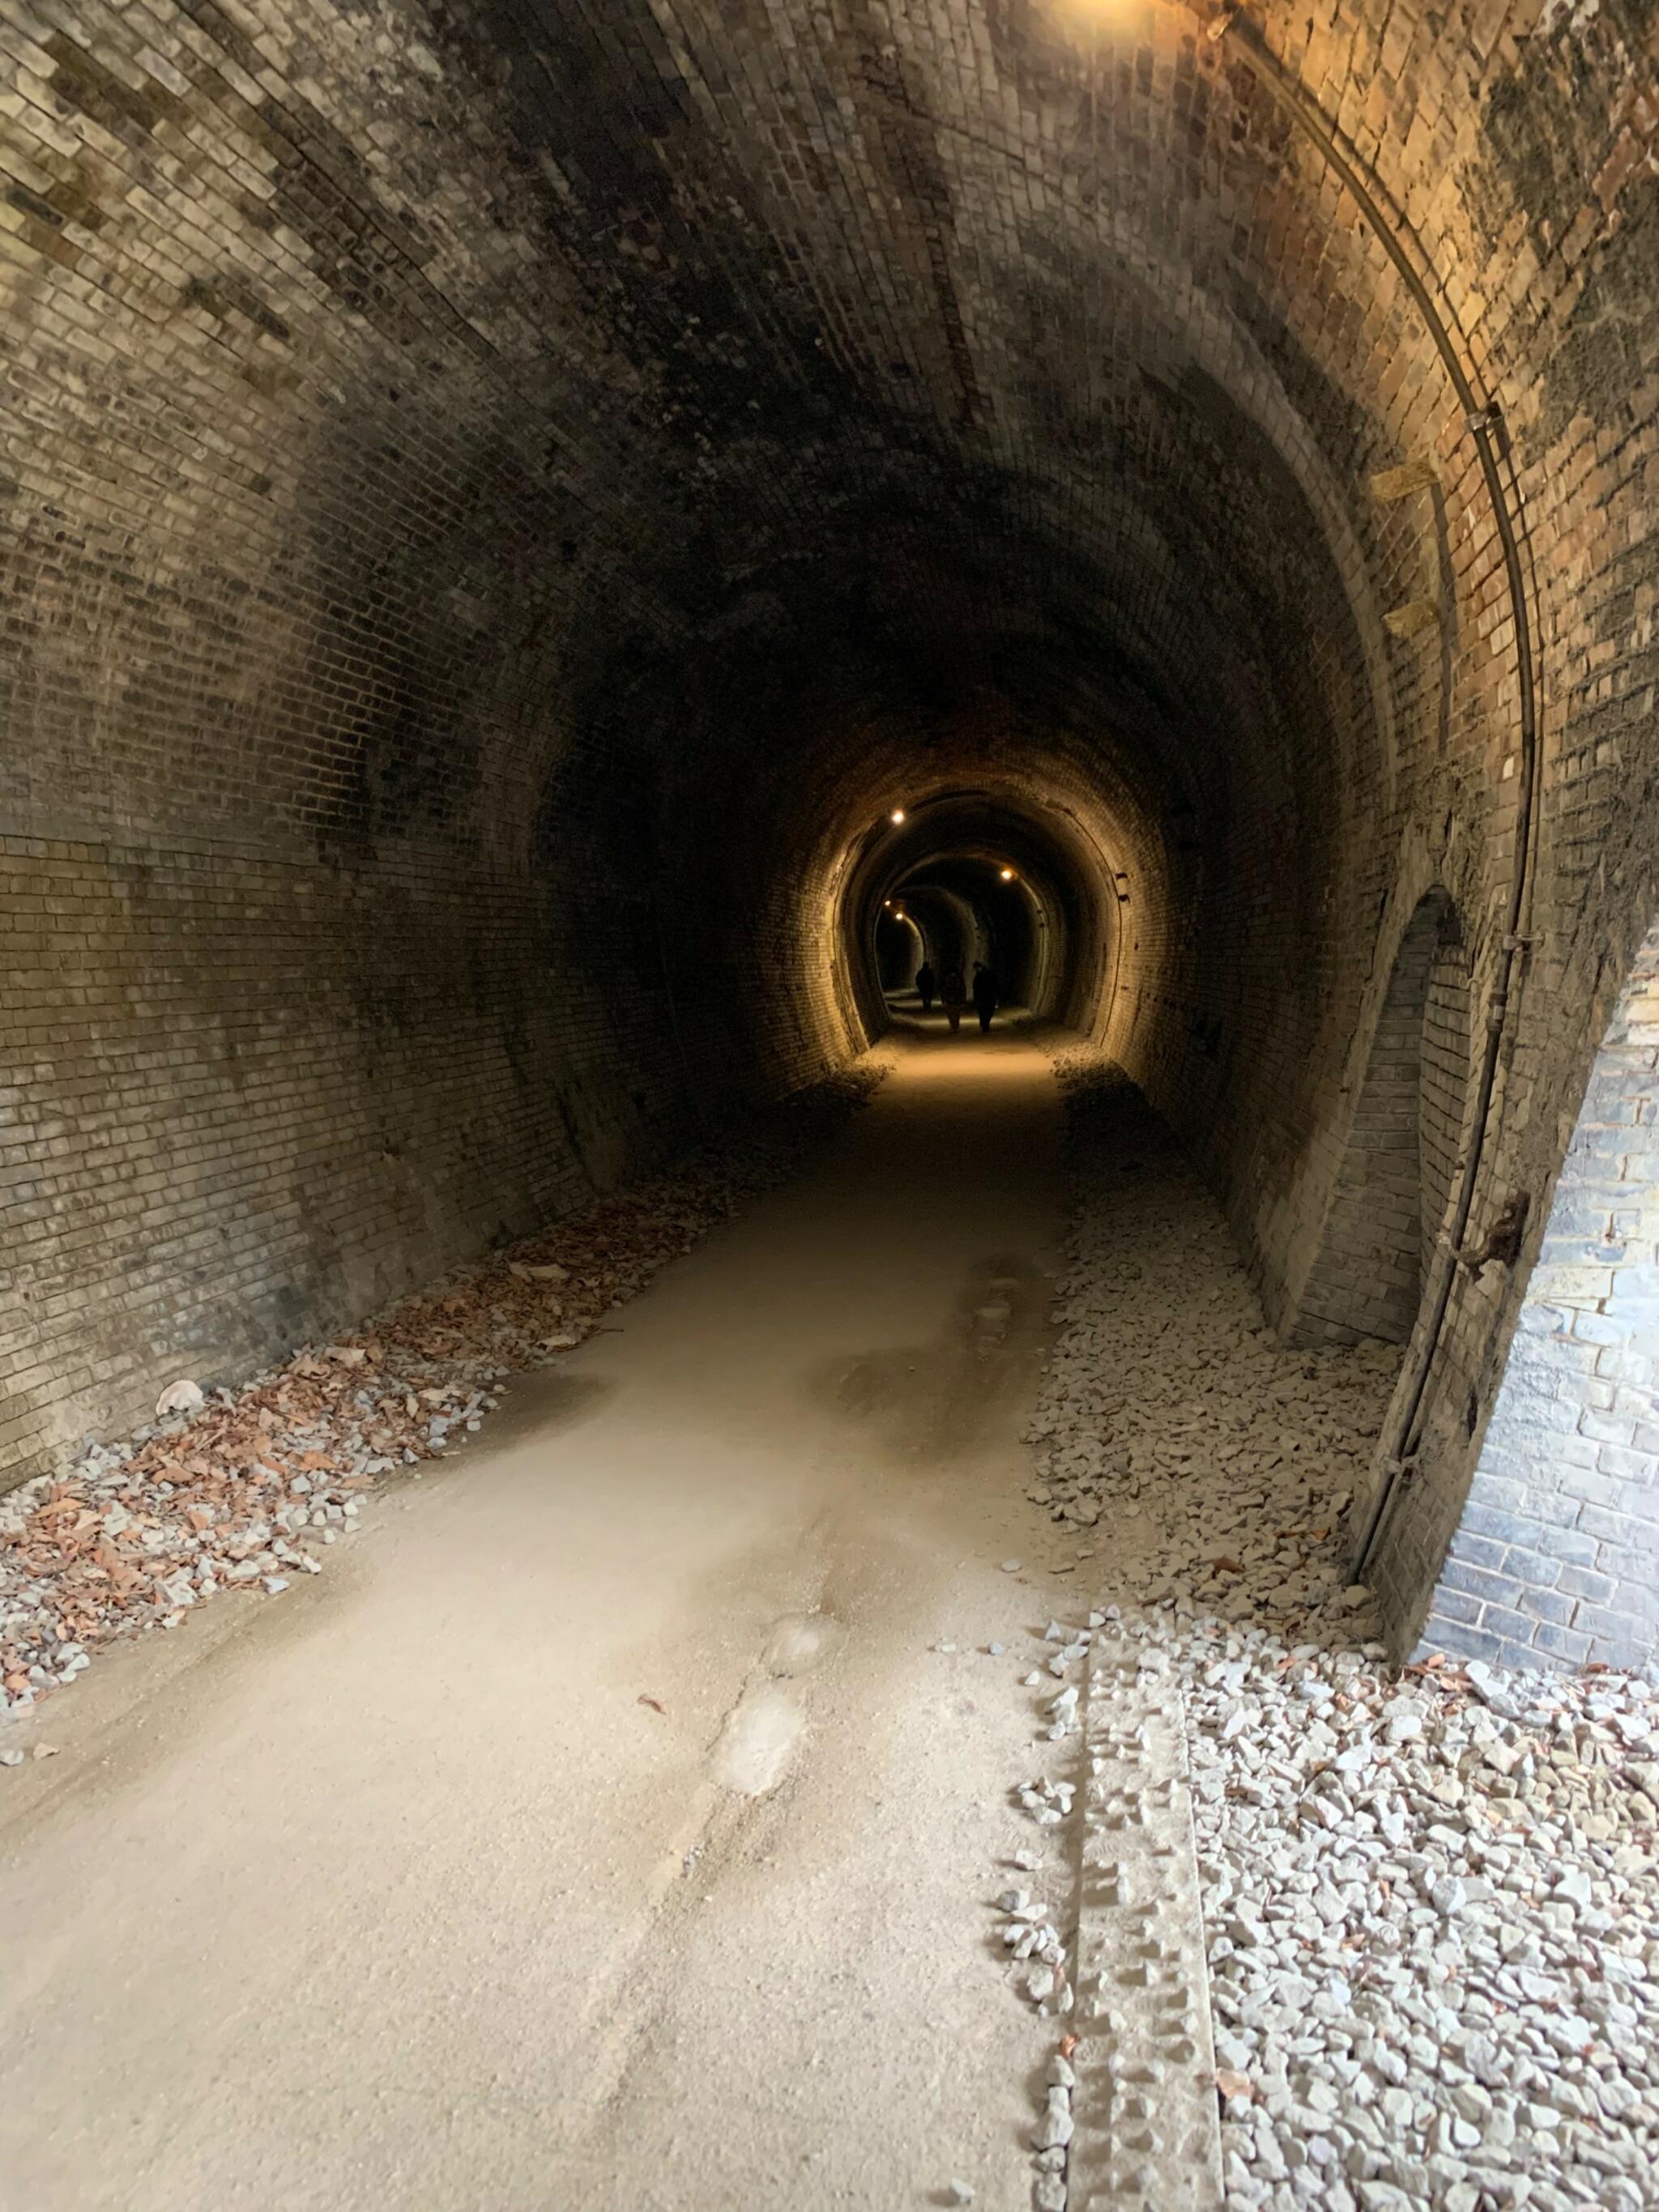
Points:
(829, 893)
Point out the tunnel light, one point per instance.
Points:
(898, 815)
(888, 904)
(1007, 875)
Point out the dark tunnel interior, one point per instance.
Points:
(502, 514)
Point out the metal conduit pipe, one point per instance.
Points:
(1401, 1436)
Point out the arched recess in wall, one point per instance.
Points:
(900, 951)
(1557, 1553)
(1401, 1154)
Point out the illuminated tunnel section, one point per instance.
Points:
(979, 878)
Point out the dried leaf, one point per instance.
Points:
(655, 1704)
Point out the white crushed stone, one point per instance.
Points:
(1431, 1901)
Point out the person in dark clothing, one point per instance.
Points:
(926, 983)
(985, 994)
(953, 995)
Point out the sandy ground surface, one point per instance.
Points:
(395, 1894)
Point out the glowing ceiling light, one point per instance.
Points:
(898, 815)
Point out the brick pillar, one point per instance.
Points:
(1557, 1555)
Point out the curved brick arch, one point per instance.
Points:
(1396, 1170)
(1557, 1554)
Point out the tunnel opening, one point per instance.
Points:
(982, 878)
(973, 910)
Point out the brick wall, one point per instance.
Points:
(293, 1016)
(203, 1161)
(1557, 1553)
(1367, 1278)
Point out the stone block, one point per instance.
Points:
(1570, 1646)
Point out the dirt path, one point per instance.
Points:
(401, 1894)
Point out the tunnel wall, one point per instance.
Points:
(294, 1014)
(1556, 1555)
(1520, 186)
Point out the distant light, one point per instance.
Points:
(887, 902)
(1007, 875)
(898, 815)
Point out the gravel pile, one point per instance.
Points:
(242, 1489)
(233, 1492)
(1432, 1897)
(1432, 1926)
(1170, 1421)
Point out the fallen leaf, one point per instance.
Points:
(1224, 1566)
(1067, 2044)
(652, 1703)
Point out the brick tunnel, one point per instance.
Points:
(556, 554)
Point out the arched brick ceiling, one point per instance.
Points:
(970, 325)
(515, 490)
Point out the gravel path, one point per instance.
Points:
(1430, 1900)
